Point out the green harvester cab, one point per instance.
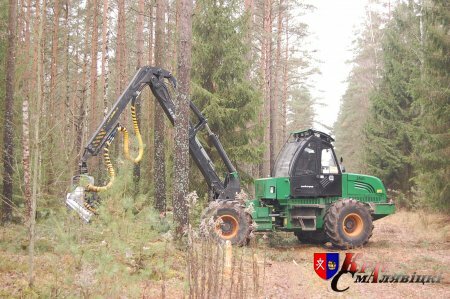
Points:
(310, 195)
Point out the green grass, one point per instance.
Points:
(110, 257)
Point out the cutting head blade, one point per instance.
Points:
(76, 200)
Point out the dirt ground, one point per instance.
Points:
(406, 243)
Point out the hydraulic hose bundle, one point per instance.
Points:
(109, 167)
(126, 151)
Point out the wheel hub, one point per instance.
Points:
(227, 227)
(350, 225)
(353, 225)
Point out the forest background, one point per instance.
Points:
(249, 76)
(64, 63)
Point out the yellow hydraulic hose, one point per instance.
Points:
(126, 150)
(111, 172)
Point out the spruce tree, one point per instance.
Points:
(221, 88)
(432, 159)
(389, 128)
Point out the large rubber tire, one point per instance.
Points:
(348, 224)
(230, 222)
(311, 237)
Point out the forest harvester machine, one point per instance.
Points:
(307, 193)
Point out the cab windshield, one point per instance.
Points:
(284, 159)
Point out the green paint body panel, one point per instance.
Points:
(363, 187)
(274, 209)
(272, 188)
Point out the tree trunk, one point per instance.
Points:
(66, 106)
(150, 33)
(149, 103)
(140, 34)
(76, 110)
(54, 58)
(8, 124)
(270, 88)
(139, 63)
(274, 128)
(159, 138)
(249, 6)
(26, 158)
(285, 79)
(36, 150)
(26, 121)
(266, 57)
(171, 62)
(181, 151)
(262, 117)
(93, 76)
(170, 43)
(80, 123)
(93, 120)
(27, 58)
(120, 51)
(20, 36)
(52, 107)
(105, 56)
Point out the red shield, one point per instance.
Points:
(320, 260)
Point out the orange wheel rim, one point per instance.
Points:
(353, 225)
(227, 227)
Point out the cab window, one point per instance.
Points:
(306, 163)
(328, 163)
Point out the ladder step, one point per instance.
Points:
(311, 225)
(304, 217)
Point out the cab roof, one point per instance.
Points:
(311, 132)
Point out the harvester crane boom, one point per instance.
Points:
(155, 78)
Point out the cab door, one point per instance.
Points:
(304, 182)
(329, 177)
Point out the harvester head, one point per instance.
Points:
(78, 200)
